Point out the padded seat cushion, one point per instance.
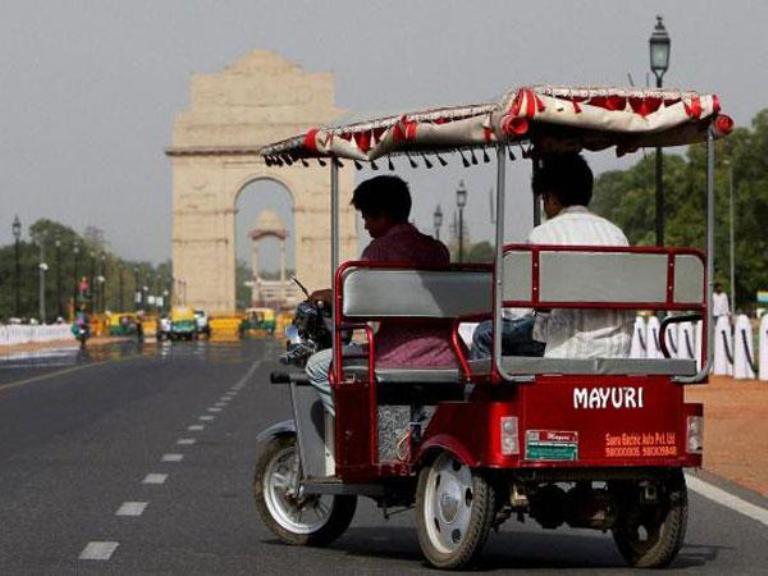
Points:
(522, 365)
(423, 386)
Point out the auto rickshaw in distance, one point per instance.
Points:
(183, 323)
(259, 320)
(123, 323)
(595, 443)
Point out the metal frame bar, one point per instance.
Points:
(498, 283)
(708, 331)
(334, 241)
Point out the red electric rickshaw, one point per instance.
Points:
(589, 442)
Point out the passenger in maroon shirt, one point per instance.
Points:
(385, 204)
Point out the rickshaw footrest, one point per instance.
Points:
(332, 485)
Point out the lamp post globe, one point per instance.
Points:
(461, 202)
(660, 47)
(438, 220)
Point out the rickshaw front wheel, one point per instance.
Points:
(455, 507)
(650, 534)
(306, 520)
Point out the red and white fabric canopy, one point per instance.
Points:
(550, 119)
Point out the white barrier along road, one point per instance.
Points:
(723, 348)
(764, 348)
(652, 339)
(639, 348)
(24, 334)
(743, 353)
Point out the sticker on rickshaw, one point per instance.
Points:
(551, 445)
(649, 444)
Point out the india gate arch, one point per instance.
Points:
(259, 99)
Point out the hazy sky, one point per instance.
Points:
(89, 89)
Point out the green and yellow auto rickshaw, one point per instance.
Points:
(183, 323)
(258, 321)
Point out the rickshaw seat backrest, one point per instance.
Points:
(604, 276)
(371, 292)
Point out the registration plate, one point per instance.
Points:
(551, 445)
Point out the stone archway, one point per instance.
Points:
(260, 99)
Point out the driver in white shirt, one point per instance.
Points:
(565, 182)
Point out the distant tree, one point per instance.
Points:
(628, 198)
(481, 252)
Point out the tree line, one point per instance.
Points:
(627, 197)
(69, 257)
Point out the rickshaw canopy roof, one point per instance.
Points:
(541, 119)
(181, 313)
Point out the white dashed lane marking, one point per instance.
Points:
(214, 409)
(98, 550)
(172, 457)
(207, 418)
(727, 499)
(185, 441)
(155, 479)
(196, 427)
(131, 509)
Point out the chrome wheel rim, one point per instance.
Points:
(296, 513)
(448, 503)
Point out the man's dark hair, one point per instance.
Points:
(567, 176)
(383, 196)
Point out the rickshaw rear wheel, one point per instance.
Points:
(455, 507)
(650, 535)
(303, 520)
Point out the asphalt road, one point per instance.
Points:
(83, 437)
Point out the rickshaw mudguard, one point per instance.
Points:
(284, 428)
(444, 443)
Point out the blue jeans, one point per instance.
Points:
(516, 339)
(317, 369)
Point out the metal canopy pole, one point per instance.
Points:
(334, 240)
(710, 334)
(498, 288)
(536, 197)
(710, 243)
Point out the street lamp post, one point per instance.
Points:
(438, 219)
(732, 235)
(136, 289)
(59, 311)
(660, 45)
(103, 282)
(75, 252)
(42, 267)
(92, 283)
(16, 229)
(165, 300)
(461, 202)
(120, 279)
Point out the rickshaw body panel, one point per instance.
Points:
(572, 421)
(563, 422)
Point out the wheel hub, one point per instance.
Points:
(448, 503)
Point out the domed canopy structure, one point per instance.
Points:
(268, 224)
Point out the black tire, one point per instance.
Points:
(651, 535)
(341, 508)
(466, 545)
